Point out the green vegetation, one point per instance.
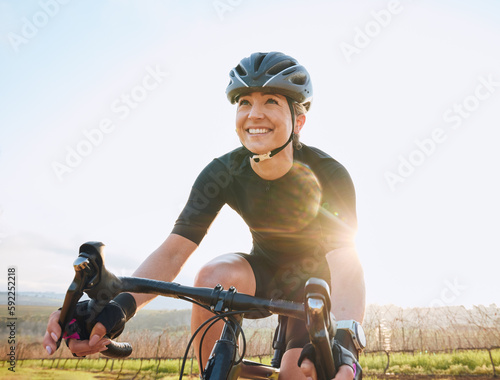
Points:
(37, 374)
(462, 363)
(472, 362)
(104, 366)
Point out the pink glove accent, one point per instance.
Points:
(72, 336)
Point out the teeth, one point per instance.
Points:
(257, 130)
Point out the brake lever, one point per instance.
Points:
(92, 277)
(102, 286)
(83, 275)
(320, 324)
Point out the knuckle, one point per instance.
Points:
(55, 314)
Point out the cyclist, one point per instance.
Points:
(298, 202)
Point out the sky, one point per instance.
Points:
(110, 109)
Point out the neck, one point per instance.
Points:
(276, 167)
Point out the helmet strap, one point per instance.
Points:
(266, 156)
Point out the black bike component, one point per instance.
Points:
(92, 277)
(279, 341)
(211, 321)
(204, 295)
(319, 324)
(226, 346)
(83, 273)
(226, 325)
(225, 299)
(215, 296)
(220, 302)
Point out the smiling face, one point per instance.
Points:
(264, 121)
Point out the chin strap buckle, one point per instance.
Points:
(261, 157)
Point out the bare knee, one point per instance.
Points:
(227, 270)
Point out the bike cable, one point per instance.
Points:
(211, 321)
(235, 334)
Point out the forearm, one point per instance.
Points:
(164, 264)
(348, 284)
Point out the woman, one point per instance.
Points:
(298, 202)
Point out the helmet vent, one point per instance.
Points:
(298, 78)
(258, 62)
(279, 67)
(241, 71)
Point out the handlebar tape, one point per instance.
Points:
(117, 350)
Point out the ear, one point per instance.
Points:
(300, 120)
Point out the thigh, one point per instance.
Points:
(228, 270)
(289, 284)
(287, 280)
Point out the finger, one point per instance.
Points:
(53, 326)
(82, 347)
(52, 333)
(308, 369)
(97, 334)
(86, 353)
(48, 343)
(345, 372)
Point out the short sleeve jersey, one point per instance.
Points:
(310, 210)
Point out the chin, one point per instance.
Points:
(256, 148)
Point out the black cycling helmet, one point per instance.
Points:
(272, 72)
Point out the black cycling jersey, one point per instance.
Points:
(311, 210)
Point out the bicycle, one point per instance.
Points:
(225, 362)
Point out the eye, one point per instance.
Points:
(271, 101)
(243, 102)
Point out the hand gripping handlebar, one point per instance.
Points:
(92, 277)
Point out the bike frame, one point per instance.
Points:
(101, 286)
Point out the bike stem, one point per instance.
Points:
(226, 347)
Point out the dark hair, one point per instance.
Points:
(299, 109)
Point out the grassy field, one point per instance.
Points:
(37, 374)
(460, 363)
(463, 363)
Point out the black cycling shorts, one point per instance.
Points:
(286, 281)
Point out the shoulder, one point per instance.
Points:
(229, 164)
(319, 161)
(235, 161)
(229, 158)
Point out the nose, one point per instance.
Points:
(256, 111)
